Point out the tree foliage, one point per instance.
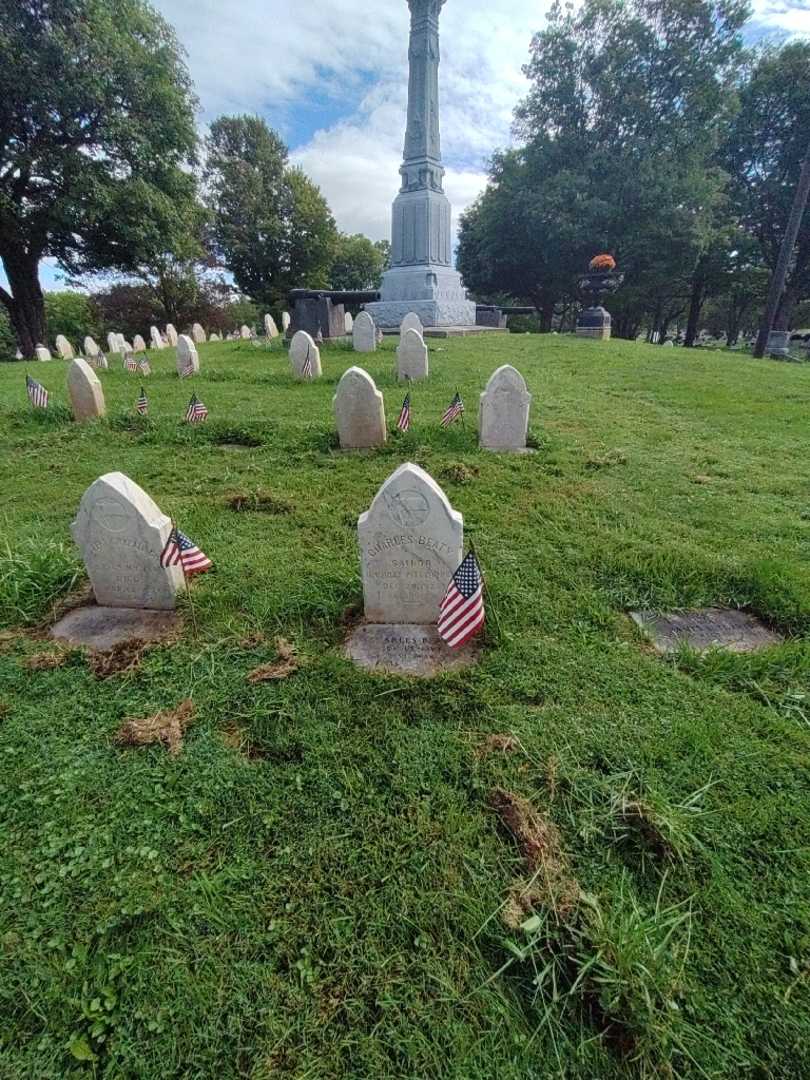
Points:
(359, 263)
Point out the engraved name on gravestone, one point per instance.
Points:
(410, 546)
(364, 333)
(121, 533)
(187, 355)
(359, 411)
(85, 392)
(412, 357)
(503, 415)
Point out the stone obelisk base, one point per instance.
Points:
(434, 292)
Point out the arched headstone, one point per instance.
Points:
(155, 338)
(138, 344)
(285, 321)
(112, 343)
(411, 322)
(42, 353)
(412, 357)
(305, 356)
(245, 333)
(64, 348)
(503, 413)
(364, 333)
(171, 334)
(197, 334)
(359, 411)
(348, 322)
(85, 392)
(188, 362)
(270, 328)
(91, 349)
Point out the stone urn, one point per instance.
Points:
(600, 281)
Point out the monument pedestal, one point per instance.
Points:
(594, 322)
(433, 292)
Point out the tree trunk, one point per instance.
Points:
(784, 313)
(695, 309)
(25, 304)
(547, 316)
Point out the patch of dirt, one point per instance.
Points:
(252, 641)
(635, 818)
(458, 473)
(259, 502)
(47, 661)
(606, 461)
(351, 615)
(166, 726)
(121, 659)
(286, 665)
(81, 596)
(497, 744)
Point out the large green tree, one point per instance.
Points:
(271, 226)
(97, 132)
(359, 263)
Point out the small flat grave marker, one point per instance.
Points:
(706, 628)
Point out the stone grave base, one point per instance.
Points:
(406, 650)
(706, 628)
(102, 628)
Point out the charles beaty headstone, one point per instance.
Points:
(155, 338)
(84, 389)
(348, 322)
(359, 411)
(121, 533)
(171, 334)
(42, 353)
(412, 357)
(364, 333)
(187, 355)
(411, 322)
(270, 328)
(305, 356)
(138, 344)
(197, 334)
(64, 348)
(503, 414)
(91, 348)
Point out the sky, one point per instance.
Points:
(331, 77)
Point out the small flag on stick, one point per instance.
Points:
(37, 394)
(145, 366)
(188, 370)
(99, 361)
(461, 612)
(307, 370)
(182, 552)
(130, 363)
(453, 411)
(404, 421)
(196, 412)
(142, 404)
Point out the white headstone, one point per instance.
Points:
(171, 334)
(411, 542)
(359, 411)
(112, 343)
(121, 533)
(301, 347)
(124, 345)
(64, 348)
(90, 347)
(364, 333)
(85, 392)
(270, 328)
(245, 333)
(155, 338)
(411, 322)
(138, 344)
(42, 353)
(187, 355)
(348, 322)
(215, 337)
(285, 321)
(412, 357)
(503, 413)
(197, 334)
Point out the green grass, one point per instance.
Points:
(315, 886)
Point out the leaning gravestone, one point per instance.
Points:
(503, 413)
(245, 333)
(171, 334)
(138, 344)
(125, 346)
(364, 333)
(411, 542)
(187, 356)
(112, 343)
(348, 322)
(155, 338)
(412, 357)
(85, 392)
(359, 411)
(411, 322)
(42, 353)
(301, 347)
(270, 328)
(64, 348)
(91, 349)
(197, 334)
(285, 321)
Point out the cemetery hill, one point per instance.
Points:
(404, 664)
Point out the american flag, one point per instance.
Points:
(144, 366)
(99, 361)
(307, 371)
(196, 411)
(130, 363)
(461, 612)
(37, 394)
(180, 551)
(188, 369)
(142, 404)
(404, 421)
(454, 410)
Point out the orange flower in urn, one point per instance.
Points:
(602, 263)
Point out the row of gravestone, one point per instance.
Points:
(503, 412)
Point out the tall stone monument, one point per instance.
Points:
(422, 278)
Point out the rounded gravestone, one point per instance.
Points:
(503, 413)
(85, 392)
(197, 334)
(285, 321)
(412, 357)
(411, 322)
(138, 344)
(359, 411)
(171, 334)
(188, 362)
(364, 333)
(154, 337)
(90, 347)
(245, 333)
(64, 348)
(112, 343)
(270, 328)
(305, 357)
(42, 353)
(348, 322)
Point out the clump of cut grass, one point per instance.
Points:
(259, 502)
(34, 574)
(458, 473)
(167, 727)
(121, 659)
(652, 826)
(607, 460)
(286, 664)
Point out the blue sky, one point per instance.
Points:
(331, 77)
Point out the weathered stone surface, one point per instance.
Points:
(42, 353)
(155, 338)
(125, 345)
(270, 328)
(103, 628)
(198, 334)
(171, 334)
(348, 322)
(84, 389)
(503, 414)
(245, 333)
(301, 347)
(364, 333)
(411, 322)
(112, 343)
(706, 628)
(406, 650)
(411, 543)
(121, 534)
(138, 344)
(187, 355)
(359, 411)
(91, 347)
(285, 321)
(64, 348)
(412, 357)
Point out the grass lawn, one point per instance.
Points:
(318, 884)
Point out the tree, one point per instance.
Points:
(96, 131)
(271, 226)
(71, 314)
(8, 345)
(359, 263)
